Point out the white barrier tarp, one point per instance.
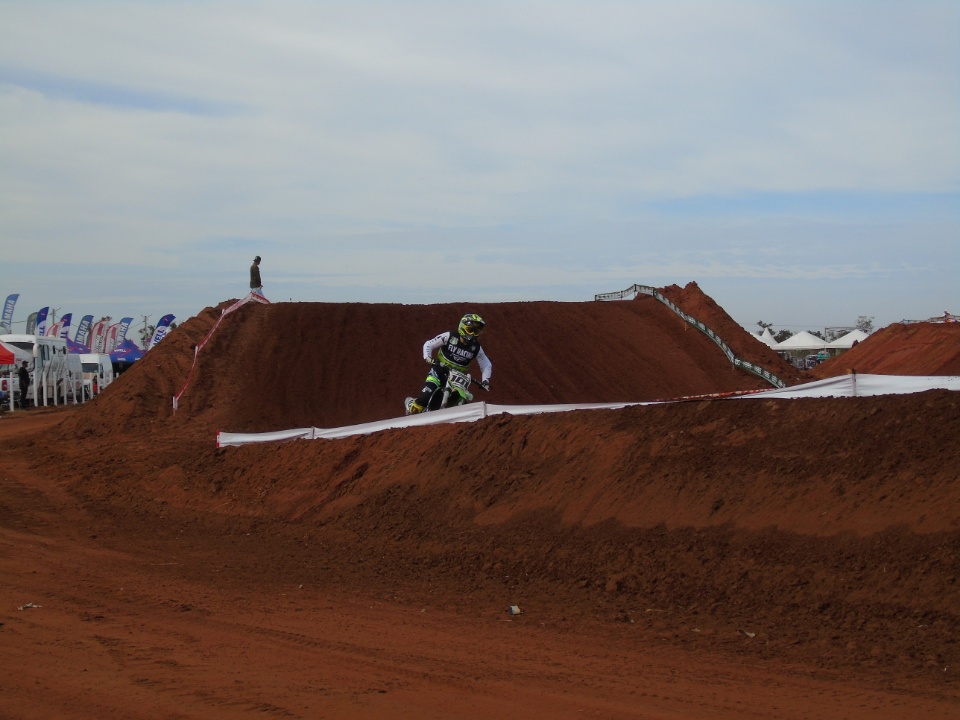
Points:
(464, 413)
(857, 385)
(226, 439)
(842, 386)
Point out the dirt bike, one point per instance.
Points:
(456, 391)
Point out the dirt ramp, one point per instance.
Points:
(913, 349)
(141, 399)
(817, 534)
(810, 466)
(288, 365)
(693, 301)
(826, 524)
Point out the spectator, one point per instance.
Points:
(24, 376)
(256, 285)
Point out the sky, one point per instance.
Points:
(798, 160)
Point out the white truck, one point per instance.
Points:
(55, 374)
(97, 372)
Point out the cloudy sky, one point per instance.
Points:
(800, 161)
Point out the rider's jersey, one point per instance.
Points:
(458, 353)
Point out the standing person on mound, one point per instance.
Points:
(457, 349)
(256, 285)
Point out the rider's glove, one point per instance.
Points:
(485, 384)
(429, 360)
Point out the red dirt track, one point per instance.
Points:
(700, 559)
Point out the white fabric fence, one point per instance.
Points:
(852, 385)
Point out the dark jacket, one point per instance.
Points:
(24, 375)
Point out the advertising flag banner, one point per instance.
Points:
(65, 325)
(54, 330)
(31, 323)
(124, 326)
(83, 330)
(111, 338)
(6, 320)
(41, 328)
(162, 327)
(98, 336)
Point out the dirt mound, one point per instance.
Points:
(693, 301)
(922, 348)
(288, 365)
(809, 538)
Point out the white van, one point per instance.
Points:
(55, 373)
(97, 372)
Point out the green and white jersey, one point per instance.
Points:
(458, 353)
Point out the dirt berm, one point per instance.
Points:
(819, 535)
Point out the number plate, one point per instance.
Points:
(459, 380)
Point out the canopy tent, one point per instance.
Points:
(126, 352)
(6, 355)
(11, 354)
(801, 341)
(846, 342)
(766, 337)
(76, 348)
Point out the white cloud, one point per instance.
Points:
(176, 134)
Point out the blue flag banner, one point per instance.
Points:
(31, 323)
(83, 330)
(65, 325)
(124, 326)
(6, 321)
(162, 327)
(41, 328)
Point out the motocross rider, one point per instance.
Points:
(456, 350)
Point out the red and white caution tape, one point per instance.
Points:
(251, 297)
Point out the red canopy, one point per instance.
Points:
(6, 355)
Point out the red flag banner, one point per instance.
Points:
(98, 336)
(110, 341)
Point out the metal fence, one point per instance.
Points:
(631, 292)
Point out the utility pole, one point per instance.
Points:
(143, 334)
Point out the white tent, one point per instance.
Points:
(846, 341)
(802, 341)
(766, 337)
